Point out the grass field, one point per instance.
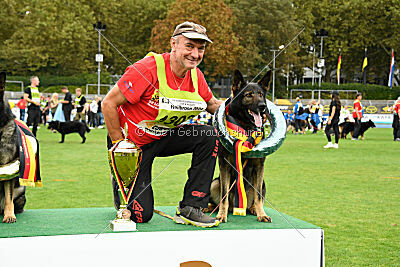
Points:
(353, 193)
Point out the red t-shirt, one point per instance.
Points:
(397, 108)
(137, 86)
(21, 104)
(357, 109)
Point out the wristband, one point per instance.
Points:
(116, 141)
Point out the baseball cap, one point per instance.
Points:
(191, 30)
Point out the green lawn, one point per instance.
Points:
(352, 192)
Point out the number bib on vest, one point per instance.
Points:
(175, 106)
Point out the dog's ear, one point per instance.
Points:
(265, 81)
(238, 82)
(2, 81)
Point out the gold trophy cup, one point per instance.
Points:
(124, 158)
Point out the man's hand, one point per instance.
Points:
(213, 105)
(329, 121)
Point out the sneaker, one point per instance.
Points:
(335, 145)
(329, 145)
(194, 216)
(397, 139)
(354, 139)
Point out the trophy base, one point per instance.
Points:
(122, 225)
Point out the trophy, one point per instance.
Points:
(124, 158)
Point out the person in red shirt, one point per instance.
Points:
(396, 120)
(357, 115)
(154, 97)
(21, 105)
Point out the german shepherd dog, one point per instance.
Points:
(248, 108)
(12, 195)
(69, 127)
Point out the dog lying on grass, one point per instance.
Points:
(12, 195)
(68, 127)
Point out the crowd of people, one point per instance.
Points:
(42, 108)
(313, 118)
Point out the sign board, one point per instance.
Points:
(99, 57)
(321, 63)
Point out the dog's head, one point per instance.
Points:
(249, 103)
(370, 124)
(53, 125)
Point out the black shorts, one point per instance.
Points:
(34, 116)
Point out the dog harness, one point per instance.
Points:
(244, 141)
(27, 168)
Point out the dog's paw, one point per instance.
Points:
(264, 218)
(9, 219)
(223, 218)
(252, 210)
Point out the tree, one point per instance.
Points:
(220, 56)
(262, 25)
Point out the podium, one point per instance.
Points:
(81, 237)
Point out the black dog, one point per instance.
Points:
(348, 127)
(12, 195)
(69, 127)
(248, 108)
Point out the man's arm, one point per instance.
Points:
(109, 106)
(213, 104)
(28, 100)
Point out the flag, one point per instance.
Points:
(390, 82)
(364, 65)
(339, 63)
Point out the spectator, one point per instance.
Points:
(315, 120)
(21, 105)
(93, 112)
(79, 104)
(396, 120)
(288, 117)
(53, 104)
(345, 115)
(44, 108)
(99, 116)
(333, 120)
(67, 103)
(298, 111)
(32, 97)
(357, 115)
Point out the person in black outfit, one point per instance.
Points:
(333, 120)
(67, 103)
(32, 97)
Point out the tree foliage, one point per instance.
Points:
(216, 16)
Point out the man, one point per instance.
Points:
(154, 97)
(67, 103)
(79, 104)
(32, 97)
(396, 120)
(357, 115)
(298, 112)
(44, 108)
